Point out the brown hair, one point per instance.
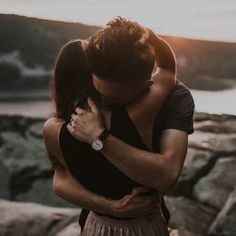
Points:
(113, 56)
(71, 80)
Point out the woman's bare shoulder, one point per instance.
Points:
(51, 128)
(52, 123)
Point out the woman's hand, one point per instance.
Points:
(86, 125)
(148, 36)
(135, 204)
(144, 37)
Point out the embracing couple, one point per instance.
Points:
(119, 138)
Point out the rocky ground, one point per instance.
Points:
(203, 202)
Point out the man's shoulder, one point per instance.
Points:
(180, 90)
(181, 95)
(177, 112)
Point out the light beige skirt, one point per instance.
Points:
(153, 225)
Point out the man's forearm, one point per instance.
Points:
(147, 168)
(165, 57)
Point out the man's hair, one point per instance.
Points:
(113, 56)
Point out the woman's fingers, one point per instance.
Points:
(134, 196)
(92, 105)
(144, 38)
(139, 190)
(139, 201)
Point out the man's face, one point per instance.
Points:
(119, 93)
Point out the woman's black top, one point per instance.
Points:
(91, 168)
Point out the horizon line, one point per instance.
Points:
(101, 26)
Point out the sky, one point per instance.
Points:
(204, 19)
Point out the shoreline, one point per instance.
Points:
(218, 103)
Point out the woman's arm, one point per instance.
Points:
(164, 79)
(165, 58)
(68, 187)
(165, 76)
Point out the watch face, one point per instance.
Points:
(97, 144)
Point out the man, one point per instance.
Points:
(116, 76)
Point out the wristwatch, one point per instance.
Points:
(97, 144)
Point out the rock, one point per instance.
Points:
(220, 144)
(230, 122)
(20, 219)
(42, 192)
(202, 116)
(25, 160)
(208, 176)
(197, 164)
(36, 130)
(225, 223)
(177, 232)
(4, 181)
(15, 123)
(215, 187)
(214, 127)
(70, 230)
(19, 152)
(189, 215)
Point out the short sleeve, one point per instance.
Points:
(180, 112)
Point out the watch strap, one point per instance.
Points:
(103, 135)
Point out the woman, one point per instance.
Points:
(66, 97)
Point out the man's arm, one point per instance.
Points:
(159, 171)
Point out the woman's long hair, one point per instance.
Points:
(71, 82)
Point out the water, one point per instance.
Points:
(39, 109)
(220, 102)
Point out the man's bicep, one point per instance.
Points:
(173, 145)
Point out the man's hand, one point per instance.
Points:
(86, 125)
(134, 204)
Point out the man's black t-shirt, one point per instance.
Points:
(176, 113)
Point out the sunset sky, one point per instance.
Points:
(207, 19)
